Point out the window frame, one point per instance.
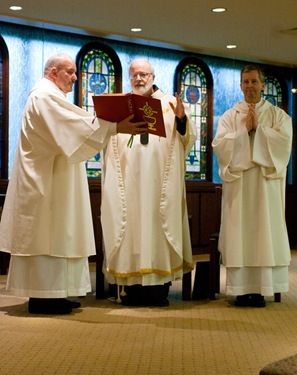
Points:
(79, 60)
(5, 110)
(177, 88)
(78, 97)
(273, 73)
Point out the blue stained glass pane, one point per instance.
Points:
(97, 83)
(192, 94)
(272, 91)
(271, 99)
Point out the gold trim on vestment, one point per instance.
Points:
(145, 271)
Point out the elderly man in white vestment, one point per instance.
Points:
(253, 144)
(46, 222)
(143, 212)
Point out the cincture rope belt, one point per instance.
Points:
(121, 292)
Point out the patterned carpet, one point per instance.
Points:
(188, 337)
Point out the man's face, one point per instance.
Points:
(66, 76)
(141, 78)
(251, 86)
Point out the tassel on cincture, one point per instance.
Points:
(118, 300)
(123, 293)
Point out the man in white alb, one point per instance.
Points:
(46, 222)
(253, 144)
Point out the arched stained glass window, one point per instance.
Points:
(272, 91)
(194, 83)
(3, 109)
(99, 72)
(97, 76)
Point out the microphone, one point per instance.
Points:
(144, 138)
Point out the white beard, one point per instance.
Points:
(140, 90)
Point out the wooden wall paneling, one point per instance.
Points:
(193, 204)
(4, 257)
(202, 201)
(207, 216)
(291, 216)
(95, 197)
(202, 211)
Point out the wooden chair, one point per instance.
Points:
(4, 257)
(207, 274)
(206, 256)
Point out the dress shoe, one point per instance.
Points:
(160, 302)
(133, 301)
(73, 304)
(49, 306)
(144, 302)
(242, 301)
(257, 300)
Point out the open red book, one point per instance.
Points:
(116, 107)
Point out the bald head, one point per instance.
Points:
(58, 61)
(61, 70)
(142, 63)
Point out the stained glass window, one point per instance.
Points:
(194, 89)
(97, 73)
(272, 91)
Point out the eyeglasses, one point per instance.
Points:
(141, 75)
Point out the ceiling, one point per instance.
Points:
(265, 31)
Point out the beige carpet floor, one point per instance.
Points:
(188, 337)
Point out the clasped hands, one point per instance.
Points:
(251, 118)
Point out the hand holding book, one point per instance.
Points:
(126, 126)
(116, 107)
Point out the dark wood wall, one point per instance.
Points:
(204, 210)
(291, 214)
(3, 187)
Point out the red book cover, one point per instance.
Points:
(116, 107)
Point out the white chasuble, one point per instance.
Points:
(143, 212)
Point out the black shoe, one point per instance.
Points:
(144, 302)
(49, 306)
(257, 300)
(242, 301)
(162, 302)
(133, 301)
(73, 304)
